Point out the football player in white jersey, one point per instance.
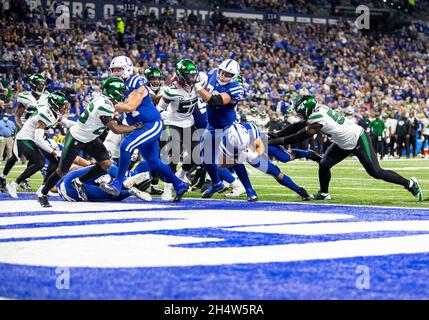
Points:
(348, 138)
(31, 143)
(29, 101)
(177, 104)
(84, 135)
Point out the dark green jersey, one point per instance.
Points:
(377, 127)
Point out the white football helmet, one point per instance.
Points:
(125, 64)
(228, 71)
(234, 142)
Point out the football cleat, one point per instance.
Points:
(304, 195)
(155, 190)
(415, 189)
(195, 176)
(237, 189)
(11, 189)
(167, 195)
(113, 188)
(140, 194)
(322, 196)
(78, 185)
(50, 193)
(180, 191)
(136, 179)
(2, 184)
(25, 186)
(43, 200)
(219, 187)
(251, 196)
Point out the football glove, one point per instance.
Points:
(139, 125)
(202, 81)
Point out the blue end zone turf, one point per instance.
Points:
(211, 249)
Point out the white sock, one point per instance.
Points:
(168, 186)
(2, 176)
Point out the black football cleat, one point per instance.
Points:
(304, 195)
(44, 202)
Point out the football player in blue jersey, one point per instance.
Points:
(138, 107)
(243, 142)
(221, 92)
(136, 184)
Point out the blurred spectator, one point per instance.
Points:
(425, 133)
(414, 126)
(377, 127)
(58, 136)
(7, 130)
(391, 124)
(120, 31)
(403, 134)
(274, 124)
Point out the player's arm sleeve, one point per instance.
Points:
(236, 93)
(67, 123)
(163, 102)
(293, 128)
(293, 138)
(105, 119)
(41, 142)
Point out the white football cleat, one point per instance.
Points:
(136, 179)
(237, 189)
(140, 194)
(11, 189)
(104, 179)
(167, 195)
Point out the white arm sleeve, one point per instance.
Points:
(40, 142)
(162, 106)
(67, 123)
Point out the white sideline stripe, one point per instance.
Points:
(339, 227)
(186, 219)
(4, 298)
(71, 217)
(157, 251)
(64, 206)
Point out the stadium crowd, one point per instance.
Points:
(372, 78)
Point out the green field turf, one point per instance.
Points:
(350, 183)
